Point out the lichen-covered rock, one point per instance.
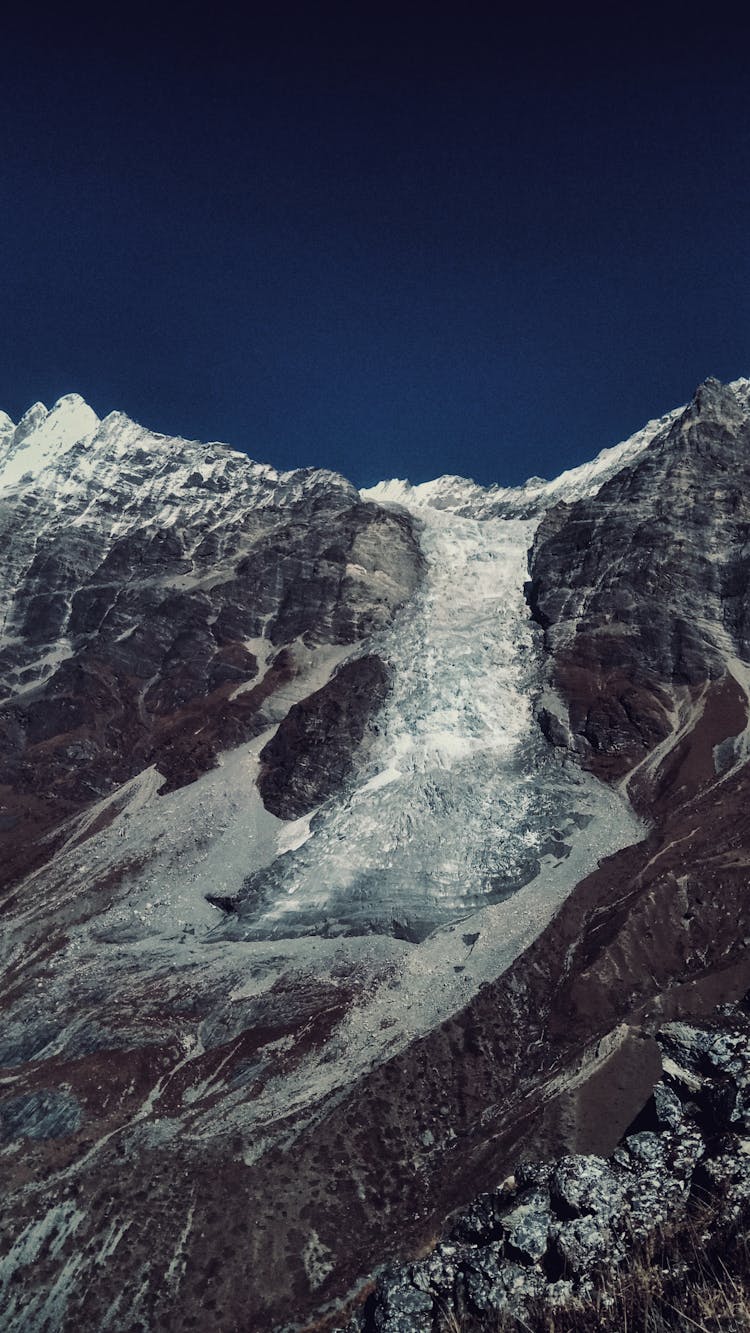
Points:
(482, 1221)
(726, 1095)
(686, 1045)
(494, 1287)
(668, 1107)
(585, 1184)
(585, 1242)
(555, 1227)
(526, 1226)
(437, 1273)
(401, 1307)
(533, 1173)
(662, 1166)
(726, 1174)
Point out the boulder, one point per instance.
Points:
(585, 1184)
(526, 1226)
(400, 1306)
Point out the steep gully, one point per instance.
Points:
(658, 929)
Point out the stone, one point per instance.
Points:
(533, 1173)
(482, 1222)
(313, 748)
(584, 1243)
(668, 1107)
(493, 1289)
(526, 1226)
(585, 1184)
(401, 1307)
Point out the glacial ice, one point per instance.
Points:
(457, 802)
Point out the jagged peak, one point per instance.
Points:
(462, 495)
(713, 402)
(117, 418)
(30, 421)
(43, 435)
(712, 398)
(69, 414)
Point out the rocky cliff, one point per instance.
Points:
(644, 596)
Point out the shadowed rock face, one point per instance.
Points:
(548, 1229)
(310, 753)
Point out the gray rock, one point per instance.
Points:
(585, 1184)
(483, 1221)
(727, 1175)
(663, 1166)
(661, 548)
(437, 1273)
(493, 1287)
(46, 1114)
(585, 1242)
(401, 1307)
(533, 1173)
(526, 1225)
(669, 1111)
(313, 748)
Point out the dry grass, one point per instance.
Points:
(693, 1276)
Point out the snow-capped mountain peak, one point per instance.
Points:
(342, 840)
(42, 436)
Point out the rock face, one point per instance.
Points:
(551, 1228)
(643, 591)
(448, 943)
(310, 753)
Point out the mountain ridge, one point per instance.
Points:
(504, 822)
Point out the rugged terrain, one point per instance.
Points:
(355, 845)
(559, 1244)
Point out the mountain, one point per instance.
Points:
(352, 842)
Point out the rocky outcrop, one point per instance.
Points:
(311, 751)
(554, 1231)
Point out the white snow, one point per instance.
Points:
(439, 773)
(455, 798)
(52, 435)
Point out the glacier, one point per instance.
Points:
(458, 801)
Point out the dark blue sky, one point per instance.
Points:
(390, 239)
